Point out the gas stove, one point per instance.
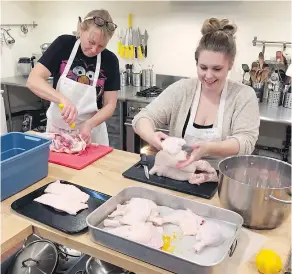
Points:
(149, 92)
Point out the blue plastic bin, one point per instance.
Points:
(24, 161)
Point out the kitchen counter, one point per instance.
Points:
(105, 175)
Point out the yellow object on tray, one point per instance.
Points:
(268, 262)
(61, 106)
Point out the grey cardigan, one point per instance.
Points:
(241, 113)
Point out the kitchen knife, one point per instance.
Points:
(145, 43)
(140, 46)
(135, 43)
(187, 149)
(144, 163)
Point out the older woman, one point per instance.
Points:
(86, 79)
(216, 116)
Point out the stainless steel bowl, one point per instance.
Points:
(96, 266)
(256, 187)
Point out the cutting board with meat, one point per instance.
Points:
(82, 159)
(53, 205)
(204, 190)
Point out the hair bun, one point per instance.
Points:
(212, 25)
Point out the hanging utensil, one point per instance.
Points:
(140, 46)
(261, 60)
(120, 36)
(123, 45)
(145, 42)
(135, 43)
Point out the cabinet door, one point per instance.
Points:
(114, 125)
(115, 141)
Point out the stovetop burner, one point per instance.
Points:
(149, 92)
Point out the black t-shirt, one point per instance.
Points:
(83, 68)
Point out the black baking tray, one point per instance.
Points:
(70, 224)
(136, 172)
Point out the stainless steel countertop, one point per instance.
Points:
(128, 93)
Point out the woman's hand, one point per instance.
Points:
(69, 112)
(85, 132)
(199, 151)
(156, 139)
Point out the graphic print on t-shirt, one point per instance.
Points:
(83, 73)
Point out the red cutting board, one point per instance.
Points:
(87, 157)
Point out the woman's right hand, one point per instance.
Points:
(156, 139)
(69, 112)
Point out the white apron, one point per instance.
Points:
(194, 135)
(83, 97)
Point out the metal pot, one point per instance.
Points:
(96, 266)
(67, 258)
(44, 47)
(256, 187)
(38, 257)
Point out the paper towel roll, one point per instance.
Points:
(3, 116)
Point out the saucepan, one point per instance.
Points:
(256, 187)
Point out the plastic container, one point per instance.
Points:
(24, 161)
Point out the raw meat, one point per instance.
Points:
(66, 143)
(188, 221)
(137, 210)
(165, 164)
(209, 234)
(61, 203)
(173, 145)
(67, 191)
(143, 233)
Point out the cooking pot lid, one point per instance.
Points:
(38, 257)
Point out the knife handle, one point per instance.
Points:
(136, 52)
(119, 47)
(143, 161)
(122, 51)
(142, 49)
(145, 51)
(140, 53)
(131, 53)
(127, 49)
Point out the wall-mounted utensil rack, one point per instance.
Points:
(23, 27)
(255, 41)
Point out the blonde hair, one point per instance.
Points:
(86, 24)
(218, 36)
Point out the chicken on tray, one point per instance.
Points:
(142, 221)
(64, 197)
(171, 154)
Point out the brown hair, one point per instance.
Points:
(104, 14)
(218, 36)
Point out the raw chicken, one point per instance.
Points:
(116, 221)
(165, 164)
(66, 143)
(188, 221)
(173, 145)
(209, 234)
(137, 210)
(61, 203)
(143, 233)
(67, 191)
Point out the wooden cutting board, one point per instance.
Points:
(80, 161)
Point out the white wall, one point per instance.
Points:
(173, 28)
(16, 12)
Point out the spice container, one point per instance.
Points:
(136, 79)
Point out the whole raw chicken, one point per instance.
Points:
(167, 159)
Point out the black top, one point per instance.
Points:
(194, 124)
(83, 68)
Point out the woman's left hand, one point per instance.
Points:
(85, 132)
(199, 151)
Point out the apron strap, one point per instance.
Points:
(97, 69)
(71, 58)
